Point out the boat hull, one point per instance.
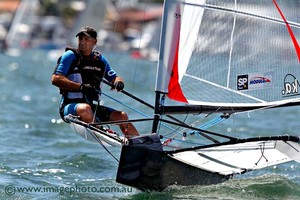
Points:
(144, 165)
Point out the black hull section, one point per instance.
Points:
(144, 165)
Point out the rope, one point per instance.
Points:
(212, 122)
(101, 143)
(94, 136)
(141, 113)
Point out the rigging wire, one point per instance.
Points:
(99, 141)
(95, 113)
(116, 24)
(160, 124)
(262, 150)
(177, 129)
(136, 62)
(137, 111)
(166, 136)
(95, 136)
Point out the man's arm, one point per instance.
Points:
(59, 78)
(64, 83)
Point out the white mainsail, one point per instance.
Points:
(230, 53)
(219, 55)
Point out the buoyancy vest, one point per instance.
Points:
(87, 71)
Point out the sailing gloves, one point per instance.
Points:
(88, 90)
(119, 86)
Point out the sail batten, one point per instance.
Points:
(249, 14)
(226, 88)
(231, 46)
(229, 53)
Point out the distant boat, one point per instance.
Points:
(19, 33)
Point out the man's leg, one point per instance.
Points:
(127, 128)
(82, 110)
(85, 112)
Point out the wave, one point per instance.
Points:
(259, 188)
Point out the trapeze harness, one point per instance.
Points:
(82, 70)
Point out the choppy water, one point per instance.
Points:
(41, 158)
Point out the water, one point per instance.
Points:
(41, 158)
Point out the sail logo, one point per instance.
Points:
(254, 81)
(242, 82)
(259, 80)
(291, 86)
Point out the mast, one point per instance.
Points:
(156, 113)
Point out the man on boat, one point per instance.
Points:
(78, 75)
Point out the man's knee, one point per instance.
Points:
(85, 112)
(82, 108)
(118, 115)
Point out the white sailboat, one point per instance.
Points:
(19, 34)
(219, 58)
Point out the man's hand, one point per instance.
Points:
(119, 86)
(88, 89)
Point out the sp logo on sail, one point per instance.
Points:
(291, 86)
(255, 81)
(242, 82)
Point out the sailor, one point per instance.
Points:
(78, 75)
